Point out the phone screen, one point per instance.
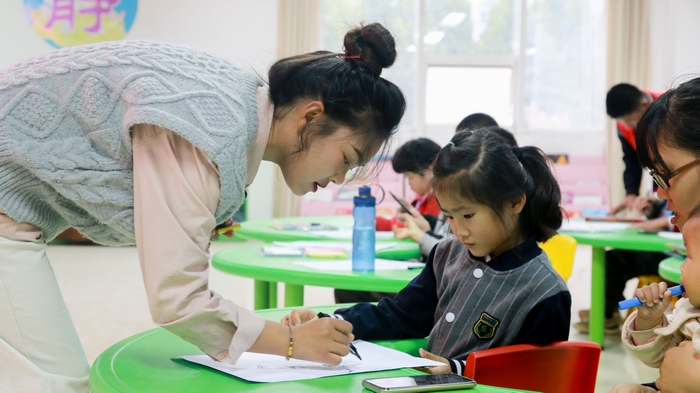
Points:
(406, 383)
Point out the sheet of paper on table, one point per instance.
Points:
(347, 234)
(347, 246)
(671, 235)
(346, 265)
(257, 367)
(592, 226)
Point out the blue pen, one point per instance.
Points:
(635, 302)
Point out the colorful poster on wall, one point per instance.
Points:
(64, 23)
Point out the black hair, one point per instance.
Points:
(672, 119)
(415, 156)
(479, 166)
(623, 99)
(475, 121)
(349, 86)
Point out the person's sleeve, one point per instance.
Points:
(427, 243)
(176, 192)
(457, 365)
(432, 220)
(409, 314)
(547, 322)
(632, 176)
(646, 345)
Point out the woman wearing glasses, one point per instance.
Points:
(668, 140)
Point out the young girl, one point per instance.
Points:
(491, 285)
(153, 144)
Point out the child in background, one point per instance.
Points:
(425, 231)
(414, 160)
(650, 334)
(491, 285)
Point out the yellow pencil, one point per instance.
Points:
(234, 227)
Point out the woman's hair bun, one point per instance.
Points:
(374, 45)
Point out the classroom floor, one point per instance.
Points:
(103, 290)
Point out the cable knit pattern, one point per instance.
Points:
(65, 119)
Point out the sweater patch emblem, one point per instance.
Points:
(486, 326)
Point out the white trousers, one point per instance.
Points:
(39, 347)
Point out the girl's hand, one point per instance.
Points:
(434, 369)
(631, 388)
(410, 229)
(324, 340)
(420, 221)
(298, 317)
(657, 298)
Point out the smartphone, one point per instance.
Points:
(404, 207)
(419, 383)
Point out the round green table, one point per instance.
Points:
(670, 269)
(143, 364)
(627, 239)
(248, 261)
(263, 229)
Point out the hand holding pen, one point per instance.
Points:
(652, 301)
(301, 316)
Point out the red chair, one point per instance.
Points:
(561, 367)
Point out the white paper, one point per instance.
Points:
(671, 235)
(346, 265)
(257, 367)
(347, 234)
(282, 251)
(593, 226)
(346, 246)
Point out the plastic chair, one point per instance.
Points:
(561, 250)
(561, 367)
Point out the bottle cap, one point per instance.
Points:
(365, 198)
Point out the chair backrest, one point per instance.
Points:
(561, 250)
(561, 367)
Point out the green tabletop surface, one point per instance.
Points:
(248, 261)
(143, 364)
(670, 269)
(626, 239)
(263, 230)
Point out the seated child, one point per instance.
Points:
(491, 285)
(414, 159)
(428, 232)
(650, 334)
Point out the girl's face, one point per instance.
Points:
(682, 195)
(690, 268)
(478, 226)
(328, 159)
(420, 184)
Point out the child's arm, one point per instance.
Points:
(657, 298)
(547, 322)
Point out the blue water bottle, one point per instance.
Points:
(363, 234)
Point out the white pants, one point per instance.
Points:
(39, 347)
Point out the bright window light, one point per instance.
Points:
(453, 19)
(455, 92)
(433, 37)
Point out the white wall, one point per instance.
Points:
(674, 42)
(244, 32)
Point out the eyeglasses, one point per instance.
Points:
(662, 178)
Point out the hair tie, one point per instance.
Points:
(451, 143)
(518, 153)
(348, 57)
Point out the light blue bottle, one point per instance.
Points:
(363, 234)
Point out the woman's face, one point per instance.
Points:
(327, 160)
(683, 194)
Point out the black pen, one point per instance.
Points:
(353, 350)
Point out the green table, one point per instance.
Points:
(262, 230)
(248, 261)
(142, 363)
(628, 239)
(670, 269)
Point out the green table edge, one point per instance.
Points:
(670, 269)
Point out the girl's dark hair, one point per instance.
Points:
(415, 156)
(481, 167)
(349, 86)
(674, 120)
(475, 121)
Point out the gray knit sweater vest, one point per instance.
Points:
(65, 119)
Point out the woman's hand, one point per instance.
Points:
(324, 340)
(298, 317)
(215, 231)
(434, 369)
(655, 225)
(679, 370)
(410, 229)
(657, 298)
(631, 388)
